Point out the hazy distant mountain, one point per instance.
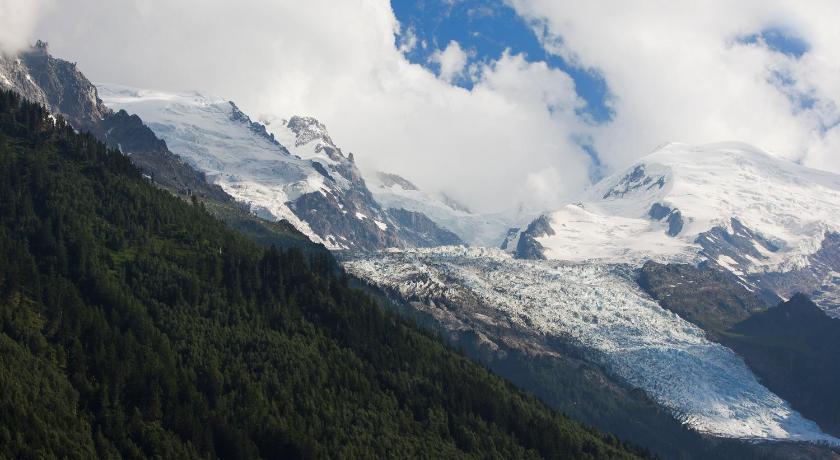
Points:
(477, 229)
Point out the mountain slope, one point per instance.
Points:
(792, 346)
(312, 183)
(768, 221)
(710, 298)
(154, 331)
(60, 87)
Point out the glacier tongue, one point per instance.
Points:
(599, 307)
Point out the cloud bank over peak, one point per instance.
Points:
(491, 130)
(763, 72)
(17, 23)
(342, 63)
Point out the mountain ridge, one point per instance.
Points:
(288, 170)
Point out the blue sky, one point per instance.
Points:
(485, 29)
(780, 40)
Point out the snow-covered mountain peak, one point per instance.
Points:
(741, 208)
(307, 138)
(290, 170)
(710, 184)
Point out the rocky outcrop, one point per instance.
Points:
(524, 245)
(710, 298)
(818, 277)
(673, 217)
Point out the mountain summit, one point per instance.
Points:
(728, 204)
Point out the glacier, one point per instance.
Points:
(599, 307)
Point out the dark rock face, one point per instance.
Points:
(60, 86)
(818, 278)
(420, 231)
(794, 348)
(511, 239)
(341, 226)
(675, 223)
(149, 153)
(659, 211)
(528, 247)
(255, 127)
(739, 245)
(710, 298)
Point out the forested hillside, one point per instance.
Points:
(134, 324)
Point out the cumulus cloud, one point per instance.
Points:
(342, 62)
(680, 71)
(676, 71)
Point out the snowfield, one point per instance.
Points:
(600, 308)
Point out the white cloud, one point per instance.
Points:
(18, 20)
(408, 40)
(339, 62)
(679, 73)
(675, 70)
(452, 61)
